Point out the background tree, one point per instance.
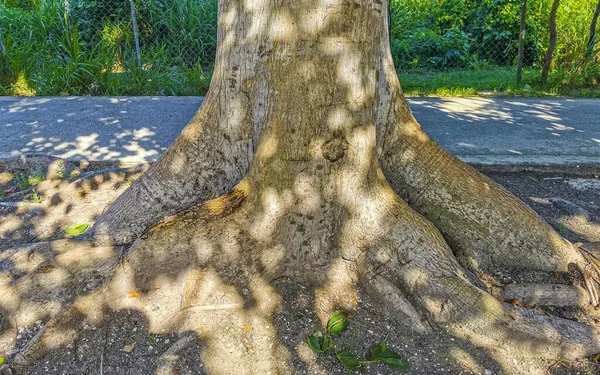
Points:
(552, 42)
(303, 162)
(592, 38)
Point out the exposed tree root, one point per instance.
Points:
(531, 295)
(315, 206)
(217, 262)
(486, 227)
(171, 355)
(434, 282)
(212, 154)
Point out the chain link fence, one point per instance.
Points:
(168, 47)
(441, 35)
(179, 33)
(108, 47)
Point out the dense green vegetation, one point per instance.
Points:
(440, 47)
(90, 51)
(474, 44)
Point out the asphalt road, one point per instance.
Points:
(511, 131)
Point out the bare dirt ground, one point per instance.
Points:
(41, 196)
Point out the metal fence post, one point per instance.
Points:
(136, 36)
(521, 41)
(2, 46)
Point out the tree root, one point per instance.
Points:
(531, 295)
(190, 172)
(474, 315)
(214, 258)
(486, 227)
(167, 360)
(437, 287)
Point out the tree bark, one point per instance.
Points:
(521, 41)
(552, 42)
(592, 38)
(303, 162)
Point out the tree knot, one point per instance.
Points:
(335, 148)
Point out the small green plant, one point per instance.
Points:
(77, 229)
(33, 179)
(561, 227)
(35, 198)
(61, 172)
(22, 181)
(379, 353)
(150, 340)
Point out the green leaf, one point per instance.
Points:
(77, 229)
(150, 340)
(336, 324)
(376, 350)
(1, 360)
(394, 360)
(317, 343)
(349, 360)
(314, 343)
(326, 344)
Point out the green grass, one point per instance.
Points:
(489, 82)
(35, 197)
(33, 179)
(92, 53)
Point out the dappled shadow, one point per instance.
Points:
(314, 209)
(568, 201)
(479, 130)
(93, 128)
(61, 194)
(482, 130)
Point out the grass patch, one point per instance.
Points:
(92, 53)
(35, 197)
(488, 82)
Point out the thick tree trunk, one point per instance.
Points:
(552, 42)
(215, 149)
(331, 182)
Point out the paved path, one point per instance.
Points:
(134, 129)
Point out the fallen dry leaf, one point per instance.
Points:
(134, 294)
(128, 348)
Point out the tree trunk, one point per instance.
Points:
(521, 41)
(305, 162)
(592, 38)
(552, 43)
